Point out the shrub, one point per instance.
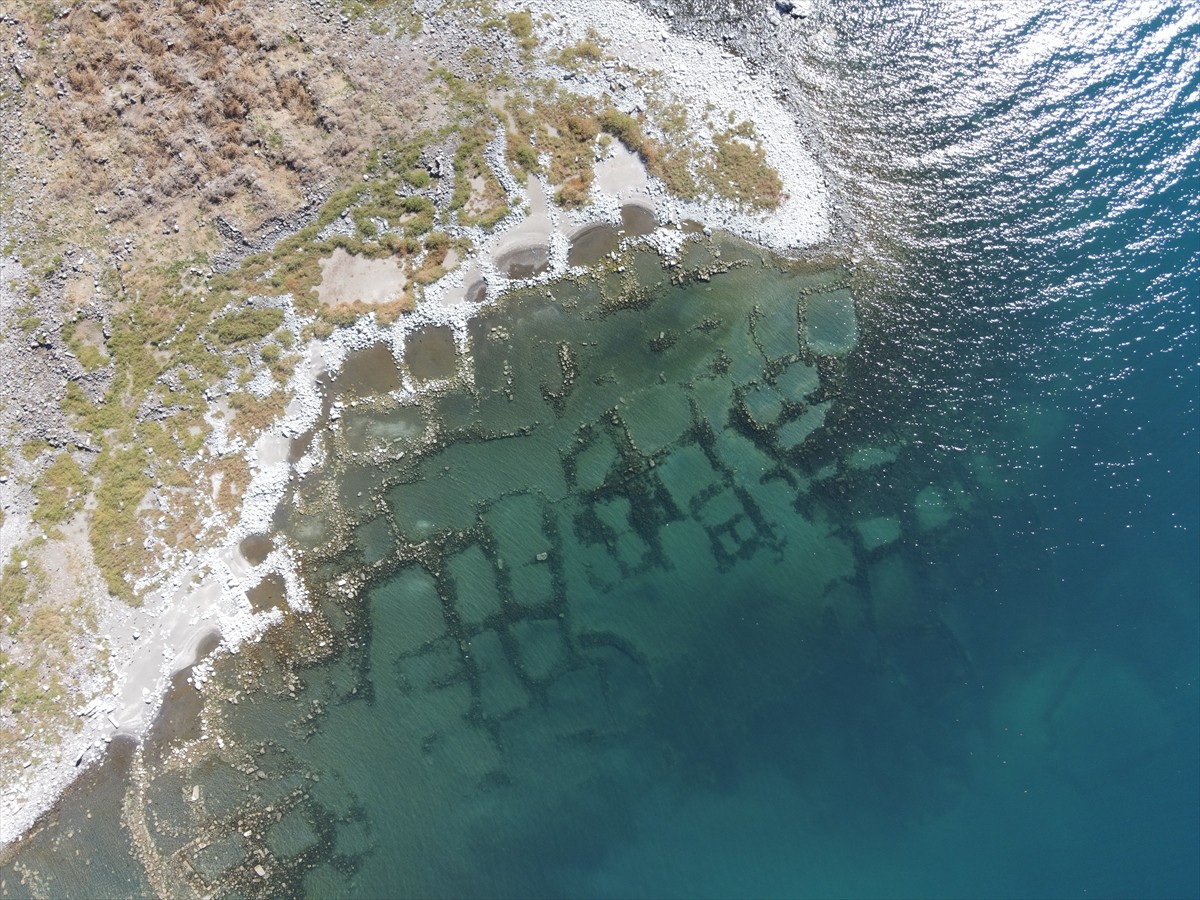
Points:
(740, 172)
(15, 584)
(624, 127)
(585, 51)
(417, 177)
(416, 204)
(574, 191)
(60, 491)
(438, 241)
(247, 325)
(489, 220)
(253, 414)
(116, 533)
(522, 154)
(583, 128)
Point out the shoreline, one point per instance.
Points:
(206, 592)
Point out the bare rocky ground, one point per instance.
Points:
(138, 136)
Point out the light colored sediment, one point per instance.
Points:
(346, 278)
(532, 231)
(456, 289)
(621, 175)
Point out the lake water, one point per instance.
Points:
(873, 576)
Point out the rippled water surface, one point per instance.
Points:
(873, 576)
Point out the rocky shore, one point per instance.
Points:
(712, 62)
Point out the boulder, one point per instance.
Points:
(797, 9)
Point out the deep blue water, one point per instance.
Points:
(946, 645)
(1031, 177)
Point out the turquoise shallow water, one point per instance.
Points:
(869, 580)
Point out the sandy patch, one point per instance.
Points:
(623, 175)
(535, 229)
(346, 278)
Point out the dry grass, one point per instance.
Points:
(163, 112)
(60, 491)
(46, 644)
(233, 474)
(738, 171)
(254, 414)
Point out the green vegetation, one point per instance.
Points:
(477, 196)
(469, 99)
(673, 159)
(574, 191)
(580, 54)
(563, 126)
(417, 177)
(247, 325)
(47, 628)
(521, 25)
(623, 127)
(739, 170)
(60, 491)
(116, 533)
(401, 16)
(52, 266)
(17, 583)
(521, 154)
(385, 201)
(254, 414)
(31, 450)
(90, 356)
(234, 476)
(163, 329)
(284, 367)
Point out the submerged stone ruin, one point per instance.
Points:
(522, 536)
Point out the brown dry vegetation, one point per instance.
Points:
(565, 127)
(157, 111)
(233, 477)
(43, 652)
(740, 171)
